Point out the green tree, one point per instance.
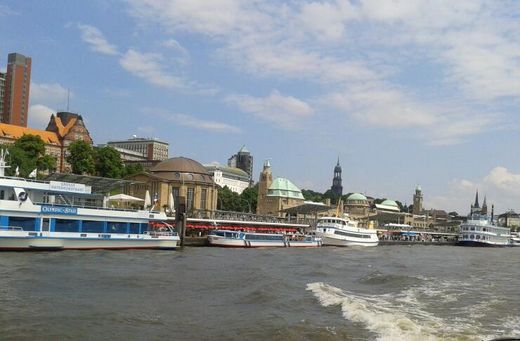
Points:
(250, 198)
(134, 168)
(227, 200)
(108, 163)
(28, 153)
(81, 157)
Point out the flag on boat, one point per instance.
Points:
(17, 171)
(147, 200)
(33, 173)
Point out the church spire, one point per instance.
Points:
(476, 205)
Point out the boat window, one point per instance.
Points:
(93, 226)
(116, 227)
(471, 237)
(354, 235)
(144, 228)
(2, 195)
(134, 228)
(66, 225)
(26, 223)
(478, 236)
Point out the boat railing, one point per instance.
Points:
(161, 233)
(12, 228)
(91, 207)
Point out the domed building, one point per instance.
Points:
(388, 205)
(357, 205)
(186, 179)
(275, 196)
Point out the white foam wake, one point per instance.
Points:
(388, 318)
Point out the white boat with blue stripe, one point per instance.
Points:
(337, 231)
(54, 215)
(225, 238)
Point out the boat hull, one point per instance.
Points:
(54, 243)
(480, 244)
(329, 240)
(228, 242)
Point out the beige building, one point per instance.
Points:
(186, 179)
(148, 149)
(276, 196)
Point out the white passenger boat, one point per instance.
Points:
(481, 230)
(515, 239)
(54, 215)
(337, 231)
(226, 238)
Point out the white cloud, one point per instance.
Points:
(95, 38)
(365, 46)
(217, 17)
(284, 111)
(39, 116)
(500, 186)
(193, 122)
(52, 94)
(150, 67)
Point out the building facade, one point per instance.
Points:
(2, 93)
(16, 90)
(233, 178)
(69, 127)
(187, 180)
(244, 161)
(149, 149)
(337, 188)
(276, 196)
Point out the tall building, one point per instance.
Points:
(2, 93)
(265, 181)
(417, 201)
(244, 161)
(150, 149)
(475, 208)
(337, 188)
(16, 92)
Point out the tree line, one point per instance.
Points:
(28, 153)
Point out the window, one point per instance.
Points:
(134, 228)
(27, 224)
(93, 226)
(66, 225)
(175, 193)
(189, 199)
(144, 228)
(116, 227)
(203, 199)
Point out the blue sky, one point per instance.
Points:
(403, 92)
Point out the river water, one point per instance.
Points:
(386, 293)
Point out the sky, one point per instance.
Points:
(404, 93)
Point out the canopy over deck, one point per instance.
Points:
(98, 184)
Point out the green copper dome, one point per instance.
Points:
(356, 196)
(389, 202)
(282, 187)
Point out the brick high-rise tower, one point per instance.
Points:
(16, 90)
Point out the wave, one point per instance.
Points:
(402, 316)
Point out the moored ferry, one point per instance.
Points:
(336, 231)
(54, 215)
(481, 230)
(226, 238)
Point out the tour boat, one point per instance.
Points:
(515, 239)
(480, 230)
(55, 215)
(337, 231)
(228, 238)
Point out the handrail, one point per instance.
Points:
(12, 228)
